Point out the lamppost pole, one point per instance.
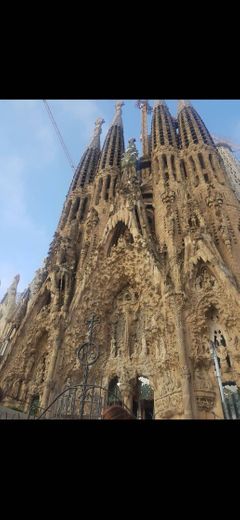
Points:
(218, 374)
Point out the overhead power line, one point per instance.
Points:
(59, 134)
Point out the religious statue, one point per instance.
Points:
(160, 349)
(144, 350)
(193, 221)
(113, 351)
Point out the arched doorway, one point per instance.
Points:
(114, 395)
(143, 399)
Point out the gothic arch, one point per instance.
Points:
(125, 216)
(114, 393)
(204, 276)
(212, 319)
(143, 398)
(120, 230)
(214, 301)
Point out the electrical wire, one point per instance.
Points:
(59, 134)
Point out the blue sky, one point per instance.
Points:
(35, 174)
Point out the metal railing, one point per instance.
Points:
(82, 401)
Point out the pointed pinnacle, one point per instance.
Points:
(183, 103)
(159, 102)
(95, 143)
(117, 120)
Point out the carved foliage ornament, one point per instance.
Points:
(168, 197)
(130, 156)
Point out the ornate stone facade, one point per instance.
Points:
(232, 166)
(151, 246)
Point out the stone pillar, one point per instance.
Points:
(127, 394)
(81, 206)
(50, 372)
(199, 169)
(183, 357)
(178, 171)
(194, 178)
(113, 177)
(126, 335)
(170, 169)
(104, 188)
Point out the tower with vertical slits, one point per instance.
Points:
(150, 246)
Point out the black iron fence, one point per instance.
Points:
(82, 401)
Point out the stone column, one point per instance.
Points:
(113, 177)
(126, 335)
(200, 171)
(194, 173)
(80, 207)
(104, 188)
(50, 372)
(143, 221)
(178, 171)
(176, 303)
(127, 394)
(170, 168)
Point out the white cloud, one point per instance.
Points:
(85, 111)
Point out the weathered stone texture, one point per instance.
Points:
(152, 248)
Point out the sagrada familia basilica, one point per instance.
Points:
(144, 268)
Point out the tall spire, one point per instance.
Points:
(145, 109)
(113, 147)
(95, 143)
(12, 289)
(163, 130)
(87, 166)
(8, 303)
(192, 129)
(159, 102)
(117, 120)
(183, 103)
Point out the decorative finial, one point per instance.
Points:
(98, 125)
(131, 154)
(95, 143)
(183, 103)
(159, 102)
(14, 283)
(119, 105)
(117, 120)
(143, 103)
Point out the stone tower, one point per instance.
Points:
(231, 165)
(151, 247)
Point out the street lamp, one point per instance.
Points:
(218, 374)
